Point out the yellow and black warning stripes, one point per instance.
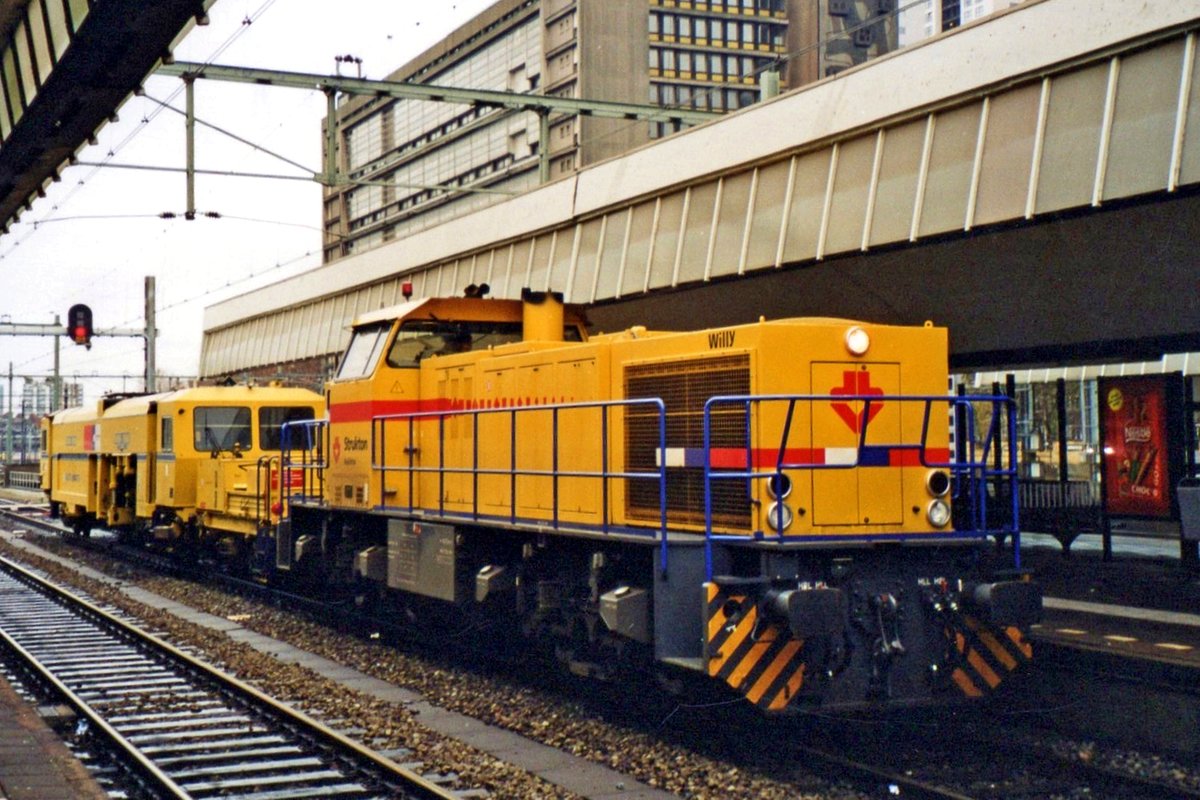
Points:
(985, 655)
(755, 657)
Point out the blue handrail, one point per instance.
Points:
(381, 464)
(970, 471)
(971, 476)
(302, 449)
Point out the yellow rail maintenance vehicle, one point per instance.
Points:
(70, 463)
(187, 469)
(782, 506)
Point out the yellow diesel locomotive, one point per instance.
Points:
(795, 508)
(187, 469)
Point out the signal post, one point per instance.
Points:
(80, 330)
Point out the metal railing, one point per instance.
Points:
(980, 482)
(561, 466)
(267, 470)
(971, 472)
(1039, 494)
(22, 480)
(302, 462)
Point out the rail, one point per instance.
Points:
(971, 473)
(514, 470)
(22, 479)
(302, 462)
(151, 700)
(265, 468)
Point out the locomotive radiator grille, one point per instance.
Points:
(684, 386)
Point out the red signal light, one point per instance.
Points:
(79, 325)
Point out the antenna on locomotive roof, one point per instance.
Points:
(477, 291)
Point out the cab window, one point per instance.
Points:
(167, 440)
(363, 353)
(272, 420)
(420, 339)
(222, 428)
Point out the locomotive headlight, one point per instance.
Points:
(938, 513)
(938, 483)
(857, 340)
(779, 486)
(779, 516)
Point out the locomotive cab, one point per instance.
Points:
(395, 365)
(72, 464)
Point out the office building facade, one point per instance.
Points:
(920, 20)
(411, 164)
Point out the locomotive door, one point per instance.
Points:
(456, 389)
(495, 429)
(869, 493)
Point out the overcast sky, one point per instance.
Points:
(98, 234)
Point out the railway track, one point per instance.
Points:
(182, 729)
(960, 761)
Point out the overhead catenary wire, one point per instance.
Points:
(146, 120)
(113, 151)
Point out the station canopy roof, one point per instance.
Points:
(84, 61)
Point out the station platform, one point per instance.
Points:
(1142, 604)
(34, 762)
